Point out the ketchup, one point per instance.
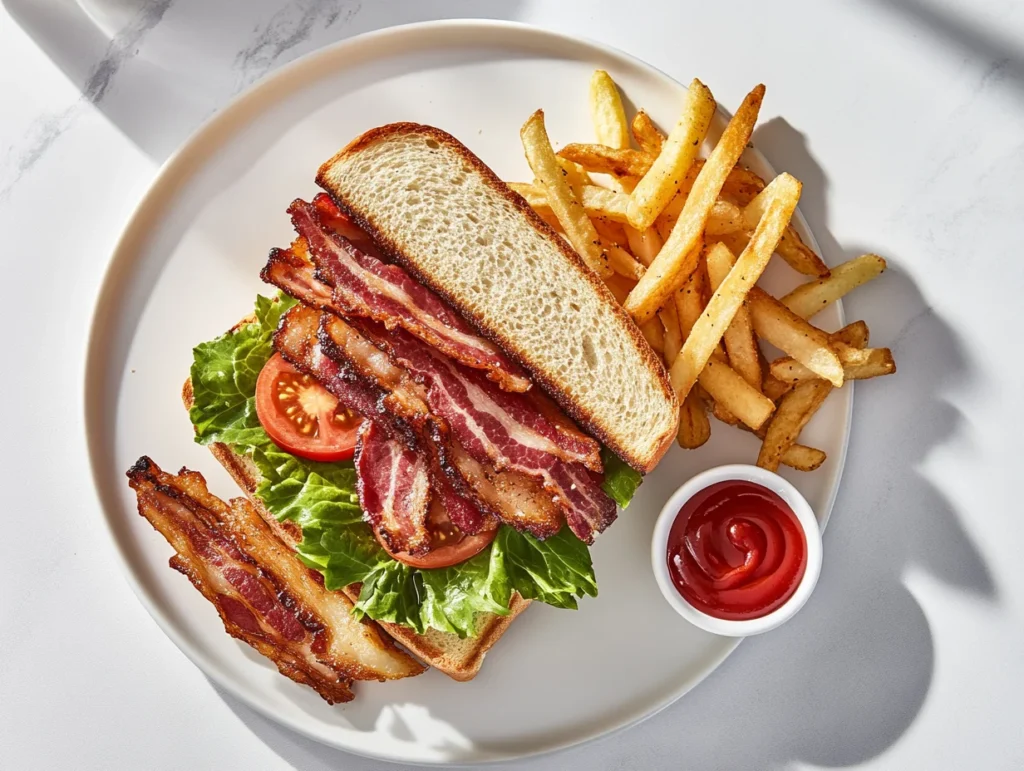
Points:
(736, 551)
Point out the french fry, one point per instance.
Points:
(690, 299)
(728, 298)
(645, 246)
(795, 409)
(576, 176)
(803, 458)
(726, 217)
(622, 262)
(728, 388)
(569, 212)
(661, 182)
(678, 256)
(722, 414)
(858, 364)
(778, 325)
(598, 201)
(648, 137)
(740, 342)
(799, 256)
(694, 426)
(619, 286)
(602, 159)
(654, 334)
(673, 336)
(610, 231)
(855, 334)
(742, 187)
(808, 299)
(774, 388)
(791, 248)
(607, 112)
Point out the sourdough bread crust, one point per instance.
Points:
(642, 461)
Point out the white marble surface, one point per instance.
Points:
(904, 119)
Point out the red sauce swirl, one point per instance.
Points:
(736, 551)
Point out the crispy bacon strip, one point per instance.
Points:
(367, 287)
(398, 403)
(459, 507)
(503, 429)
(294, 275)
(394, 489)
(264, 595)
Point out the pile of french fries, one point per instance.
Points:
(681, 242)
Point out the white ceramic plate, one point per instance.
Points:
(186, 270)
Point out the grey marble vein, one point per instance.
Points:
(19, 158)
(287, 28)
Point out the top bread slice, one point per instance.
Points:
(434, 207)
(458, 658)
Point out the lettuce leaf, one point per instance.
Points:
(620, 481)
(321, 498)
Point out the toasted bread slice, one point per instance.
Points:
(460, 659)
(431, 205)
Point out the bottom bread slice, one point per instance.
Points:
(458, 658)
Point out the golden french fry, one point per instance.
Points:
(673, 336)
(622, 262)
(774, 388)
(610, 231)
(690, 299)
(808, 299)
(576, 176)
(645, 246)
(790, 248)
(607, 112)
(858, 364)
(740, 342)
(778, 325)
(728, 388)
(723, 415)
(855, 334)
(619, 286)
(661, 182)
(803, 458)
(598, 201)
(654, 334)
(795, 409)
(725, 218)
(742, 188)
(694, 426)
(799, 256)
(602, 159)
(728, 298)
(569, 211)
(648, 137)
(678, 256)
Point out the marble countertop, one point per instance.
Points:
(905, 121)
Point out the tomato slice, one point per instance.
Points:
(301, 416)
(448, 545)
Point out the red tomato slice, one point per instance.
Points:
(448, 545)
(301, 416)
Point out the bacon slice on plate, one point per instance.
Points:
(367, 287)
(264, 595)
(511, 496)
(394, 489)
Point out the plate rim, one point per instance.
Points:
(163, 184)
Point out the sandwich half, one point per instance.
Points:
(441, 410)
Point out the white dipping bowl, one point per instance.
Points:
(804, 515)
